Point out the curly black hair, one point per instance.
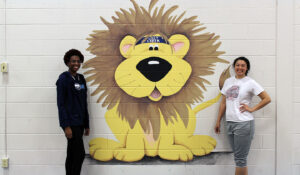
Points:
(71, 53)
(246, 61)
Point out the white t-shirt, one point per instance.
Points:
(237, 92)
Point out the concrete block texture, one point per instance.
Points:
(2, 32)
(2, 126)
(296, 111)
(39, 32)
(31, 94)
(296, 169)
(296, 94)
(33, 125)
(2, 143)
(2, 4)
(2, 17)
(2, 48)
(2, 110)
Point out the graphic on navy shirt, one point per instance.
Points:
(232, 92)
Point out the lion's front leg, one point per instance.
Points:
(199, 144)
(134, 149)
(170, 151)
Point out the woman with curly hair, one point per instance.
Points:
(72, 109)
(237, 94)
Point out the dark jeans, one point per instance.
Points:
(75, 151)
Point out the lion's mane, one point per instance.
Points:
(139, 22)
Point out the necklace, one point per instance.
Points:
(74, 78)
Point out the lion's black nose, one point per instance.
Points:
(154, 68)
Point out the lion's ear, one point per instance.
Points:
(126, 45)
(180, 45)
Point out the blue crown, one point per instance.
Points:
(152, 39)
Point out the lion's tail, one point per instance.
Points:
(225, 74)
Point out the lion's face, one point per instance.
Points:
(154, 67)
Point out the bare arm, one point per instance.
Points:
(265, 99)
(222, 109)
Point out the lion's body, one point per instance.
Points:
(175, 142)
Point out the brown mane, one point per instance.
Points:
(139, 22)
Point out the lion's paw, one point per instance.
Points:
(102, 149)
(200, 144)
(175, 152)
(102, 155)
(126, 155)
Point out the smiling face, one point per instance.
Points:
(153, 68)
(240, 68)
(74, 64)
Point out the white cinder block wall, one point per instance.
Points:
(2, 94)
(296, 90)
(34, 35)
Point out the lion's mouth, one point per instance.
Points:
(155, 95)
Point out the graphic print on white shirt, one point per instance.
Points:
(232, 92)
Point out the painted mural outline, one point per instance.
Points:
(149, 67)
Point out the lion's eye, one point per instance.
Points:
(150, 47)
(156, 47)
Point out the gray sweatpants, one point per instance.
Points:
(240, 136)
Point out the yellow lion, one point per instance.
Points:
(149, 68)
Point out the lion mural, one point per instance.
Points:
(149, 68)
